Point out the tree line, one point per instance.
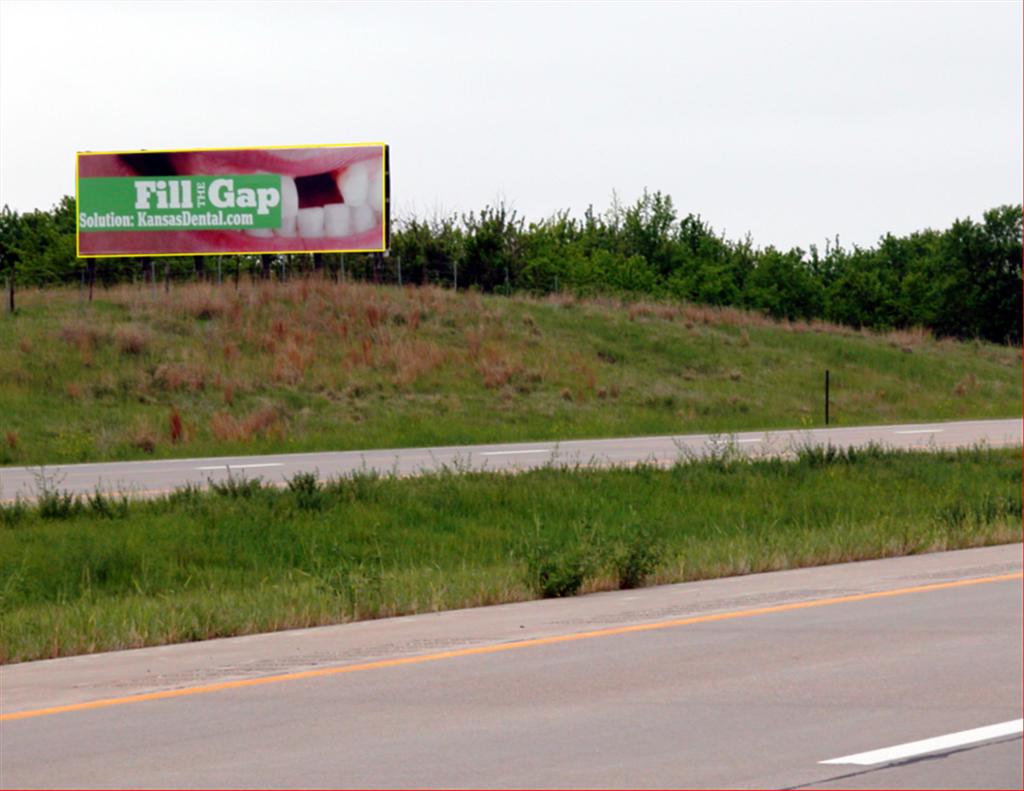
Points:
(964, 281)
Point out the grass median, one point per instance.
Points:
(95, 574)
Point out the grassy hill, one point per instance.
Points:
(313, 365)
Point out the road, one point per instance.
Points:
(159, 476)
(776, 680)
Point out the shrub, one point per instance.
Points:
(306, 488)
(553, 571)
(237, 488)
(638, 559)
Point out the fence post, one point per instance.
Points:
(826, 396)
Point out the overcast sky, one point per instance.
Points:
(795, 122)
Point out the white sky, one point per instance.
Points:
(795, 122)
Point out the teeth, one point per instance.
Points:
(362, 219)
(296, 154)
(263, 233)
(289, 206)
(337, 219)
(311, 222)
(353, 183)
(375, 190)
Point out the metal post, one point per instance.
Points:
(826, 396)
(342, 257)
(398, 259)
(167, 278)
(92, 276)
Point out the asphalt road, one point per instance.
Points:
(157, 476)
(744, 682)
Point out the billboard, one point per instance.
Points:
(301, 199)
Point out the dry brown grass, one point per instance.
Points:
(412, 360)
(496, 368)
(81, 334)
(909, 339)
(264, 421)
(175, 377)
(966, 385)
(144, 438)
(131, 339)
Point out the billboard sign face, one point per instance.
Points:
(222, 201)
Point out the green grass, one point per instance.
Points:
(90, 575)
(310, 365)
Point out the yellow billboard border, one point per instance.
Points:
(385, 202)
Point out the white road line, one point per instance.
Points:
(513, 452)
(242, 466)
(910, 749)
(727, 441)
(921, 431)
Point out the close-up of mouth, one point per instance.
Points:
(331, 199)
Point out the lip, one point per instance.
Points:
(296, 162)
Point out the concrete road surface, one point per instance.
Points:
(141, 477)
(898, 673)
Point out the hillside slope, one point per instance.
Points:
(315, 365)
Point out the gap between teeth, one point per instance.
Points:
(361, 189)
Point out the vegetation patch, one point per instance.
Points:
(312, 364)
(84, 574)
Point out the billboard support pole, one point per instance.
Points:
(342, 265)
(92, 276)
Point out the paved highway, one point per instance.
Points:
(142, 477)
(898, 673)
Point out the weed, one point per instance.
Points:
(554, 571)
(105, 506)
(11, 514)
(55, 504)
(177, 431)
(638, 559)
(308, 492)
(236, 488)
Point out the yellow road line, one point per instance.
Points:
(496, 648)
